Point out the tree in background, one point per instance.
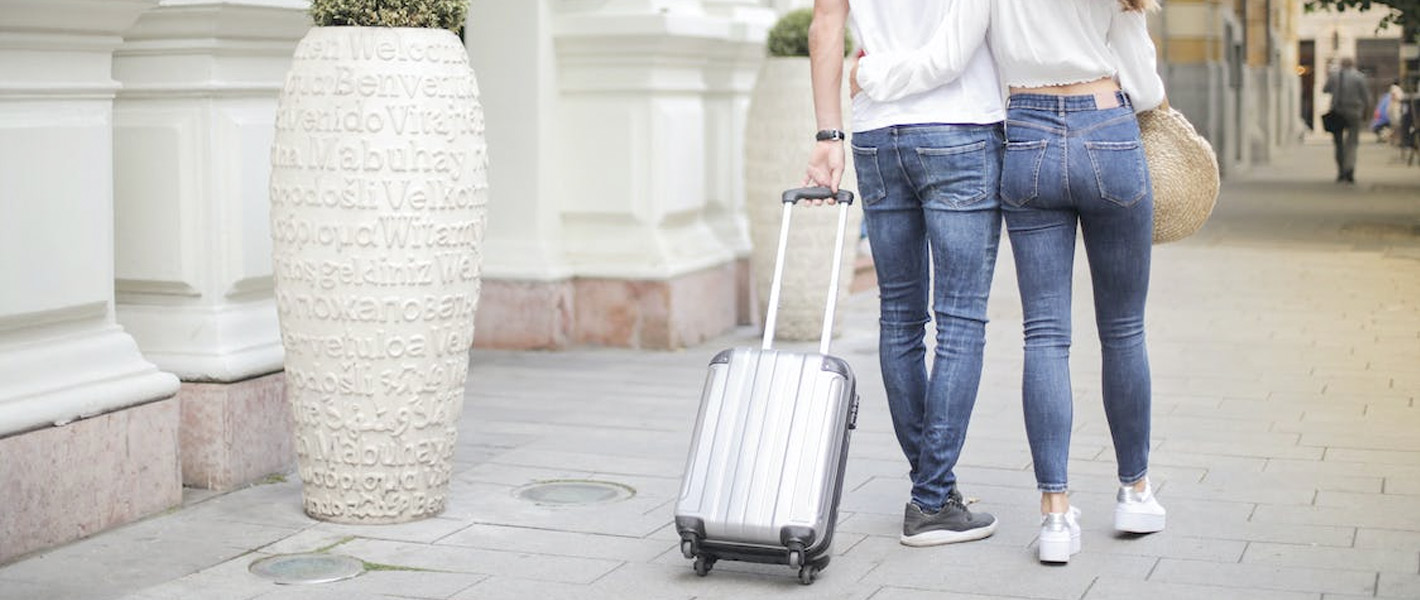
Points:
(1406, 12)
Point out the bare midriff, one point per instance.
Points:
(1103, 85)
(1102, 89)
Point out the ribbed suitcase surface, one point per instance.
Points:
(766, 462)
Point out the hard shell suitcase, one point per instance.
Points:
(765, 470)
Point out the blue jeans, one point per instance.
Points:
(1069, 163)
(932, 212)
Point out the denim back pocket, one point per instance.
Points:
(870, 181)
(1020, 171)
(1119, 170)
(955, 175)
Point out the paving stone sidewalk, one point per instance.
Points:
(1285, 341)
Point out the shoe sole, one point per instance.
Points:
(1138, 523)
(1058, 550)
(938, 537)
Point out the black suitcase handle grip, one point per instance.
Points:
(817, 193)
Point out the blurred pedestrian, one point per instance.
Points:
(1350, 96)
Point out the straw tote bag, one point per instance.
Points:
(1184, 171)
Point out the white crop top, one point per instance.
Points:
(1036, 43)
(971, 95)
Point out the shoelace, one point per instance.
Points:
(955, 499)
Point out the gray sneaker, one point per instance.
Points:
(954, 523)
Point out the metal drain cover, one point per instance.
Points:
(574, 492)
(307, 568)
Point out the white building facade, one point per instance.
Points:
(139, 348)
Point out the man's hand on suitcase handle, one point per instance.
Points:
(818, 195)
(826, 165)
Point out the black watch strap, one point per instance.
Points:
(830, 135)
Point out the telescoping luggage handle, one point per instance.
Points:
(844, 198)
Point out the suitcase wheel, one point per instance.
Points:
(689, 547)
(807, 573)
(703, 564)
(796, 556)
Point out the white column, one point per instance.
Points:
(614, 131)
(751, 12)
(62, 357)
(632, 6)
(730, 78)
(193, 129)
(631, 161)
(784, 6)
(510, 47)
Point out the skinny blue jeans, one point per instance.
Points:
(1069, 164)
(932, 213)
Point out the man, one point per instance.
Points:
(1350, 96)
(928, 169)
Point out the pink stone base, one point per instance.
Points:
(653, 315)
(234, 434)
(703, 306)
(64, 483)
(656, 315)
(522, 315)
(747, 313)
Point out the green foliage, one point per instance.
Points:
(340, 542)
(433, 14)
(790, 36)
(1406, 12)
(371, 567)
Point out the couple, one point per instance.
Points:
(936, 172)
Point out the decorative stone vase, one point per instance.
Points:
(378, 204)
(778, 139)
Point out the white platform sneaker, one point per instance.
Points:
(1138, 512)
(1059, 536)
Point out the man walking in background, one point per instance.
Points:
(1350, 97)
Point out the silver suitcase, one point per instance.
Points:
(765, 472)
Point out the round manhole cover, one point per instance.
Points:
(574, 493)
(307, 568)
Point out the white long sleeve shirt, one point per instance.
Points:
(970, 94)
(1035, 43)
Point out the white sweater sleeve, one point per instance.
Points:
(1138, 65)
(888, 76)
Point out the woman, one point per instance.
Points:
(1077, 71)
(1396, 102)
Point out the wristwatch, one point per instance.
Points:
(830, 135)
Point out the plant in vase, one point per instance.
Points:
(779, 133)
(790, 35)
(378, 205)
(436, 14)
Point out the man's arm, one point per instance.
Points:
(888, 76)
(826, 161)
